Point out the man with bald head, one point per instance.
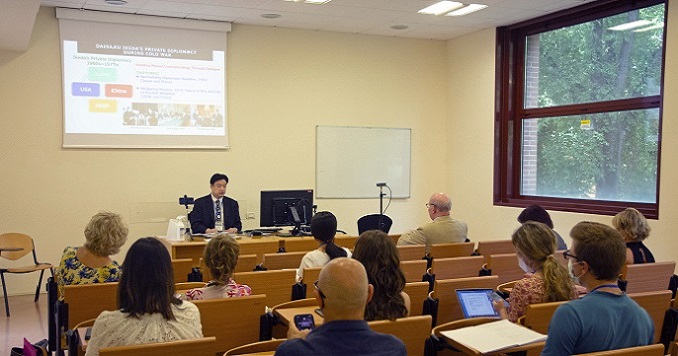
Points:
(342, 291)
(443, 229)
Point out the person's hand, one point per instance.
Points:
(294, 333)
(500, 308)
(232, 230)
(210, 231)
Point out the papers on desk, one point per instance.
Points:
(494, 336)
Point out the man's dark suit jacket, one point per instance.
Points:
(202, 216)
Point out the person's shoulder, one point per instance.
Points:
(388, 341)
(69, 251)
(294, 347)
(202, 199)
(230, 200)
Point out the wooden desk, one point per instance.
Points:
(286, 315)
(10, 249)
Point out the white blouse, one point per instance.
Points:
(316, 258)
(115, 328)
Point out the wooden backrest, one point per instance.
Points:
(648, 350)
(418, 292)
(457, 267)
(495, 247)
(647, 277)
(183, 286)
(413, 270)
(283, 260)
(246, 263)
(233, 321)
(259, 247)
(254, 348)
(310, 276)
(538, 316)
(459, 249)
(655, 303)
(182, 267)
(298, 244)
(345, 241)
(277, 285)
(444, 290)
(18, 241)
(204, 346)
(674, 349)
(411, 252)
(413, 331)
(87, 301)
(505, 266)
(394, 238)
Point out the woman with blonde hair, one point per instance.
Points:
(549, 281)
(634, 228)
(91, 263)
(221, 256)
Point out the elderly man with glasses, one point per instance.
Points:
(342, 292)
(606, 318)
(443, 228)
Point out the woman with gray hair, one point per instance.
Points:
(634, 228)
(91, 263)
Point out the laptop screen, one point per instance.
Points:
(476, 303)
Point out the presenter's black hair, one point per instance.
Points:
(147, 283)
(217, 177)
(323, 228)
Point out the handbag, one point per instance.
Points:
(37, 349)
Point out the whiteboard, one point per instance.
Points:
(350, 161)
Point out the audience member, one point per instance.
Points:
(216, 212)
(342, 291)
(149, 312)
(443, 228)
(547, 279)
(323, 228)
(221, 256)
(633, 228)
(606, 318)
(91, 263)
(537, 213)
(379, 255)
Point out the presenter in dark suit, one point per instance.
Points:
(216, 212)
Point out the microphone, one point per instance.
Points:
(381, 184)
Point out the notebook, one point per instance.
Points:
(476, 302)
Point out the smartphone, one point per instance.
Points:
(304, 321)
(497, 298)
(88, 334)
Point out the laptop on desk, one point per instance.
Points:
(476, 302)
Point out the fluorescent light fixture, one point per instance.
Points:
(316, 2)
(442, 7)
(466, 10)
(116, 2)
(653, 27)
(630, 25)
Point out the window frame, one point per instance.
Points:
(510, 111)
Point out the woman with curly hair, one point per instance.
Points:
(634, 228)
(221, 255)
(548, 280)
(377, 252)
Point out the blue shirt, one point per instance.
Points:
(599, 321)
(344, 337)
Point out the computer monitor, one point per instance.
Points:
(278, 207)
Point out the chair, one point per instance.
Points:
(457, 267)
(413, 331)
(255, 348)
(233, 321)
(87, 301)
(246, 263)
(204, 346)
(14, 246)
(273, 261)
(648, 350)
(495, 247)
(418, 292)
(505, 266)
(183, 286)
(647, 277)
(411, 252)
(444, 291)
(278, 330)
(413, 270)
(655, 303)
(299, 244)
(374, 222)
(674, 351)
(259, 248)
(182, 267)
(538, 316)
(310, 276)
(346, 241)
(459, 249)
(277, 284)
(506, 288)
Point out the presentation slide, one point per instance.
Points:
(123, 89)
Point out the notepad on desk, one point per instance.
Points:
(494, 336)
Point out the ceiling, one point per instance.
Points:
(369, 17)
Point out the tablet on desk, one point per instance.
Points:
(476, 303)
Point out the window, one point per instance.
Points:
(579, 94)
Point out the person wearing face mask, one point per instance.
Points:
(606, 318)
(548, 280)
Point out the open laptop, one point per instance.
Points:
(476, 302)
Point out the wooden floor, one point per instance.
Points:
(27, 320)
